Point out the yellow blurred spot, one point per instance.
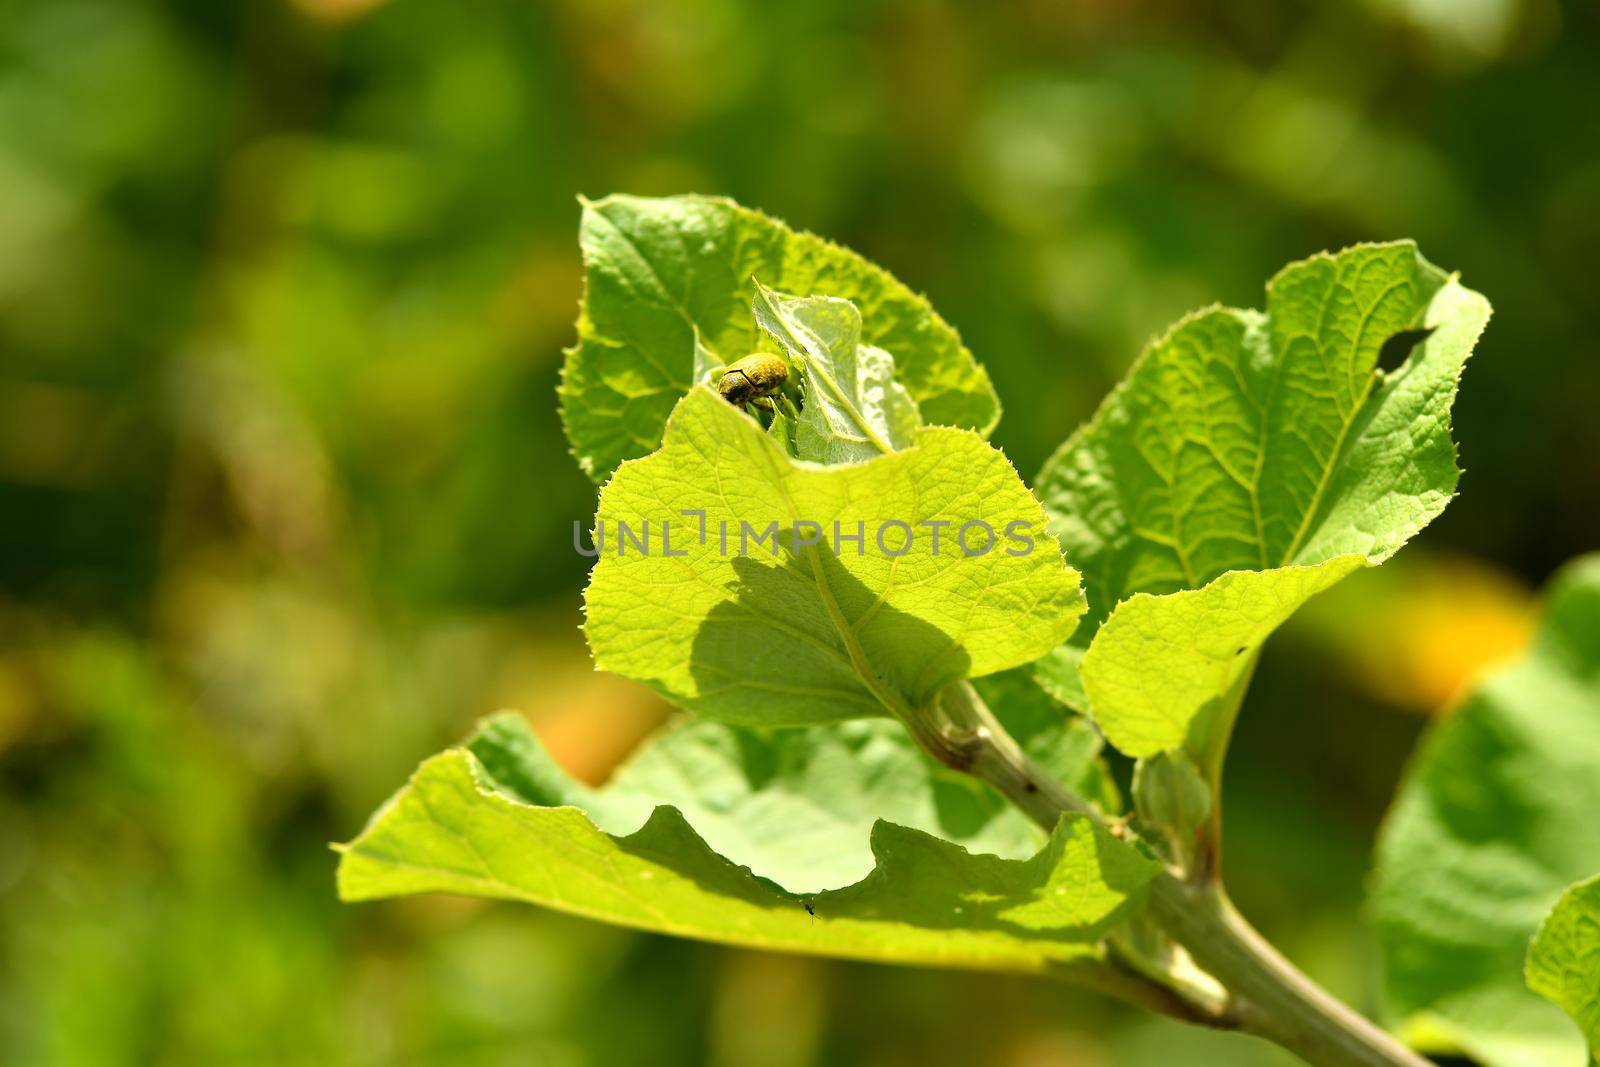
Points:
(589, 722)
(1454, 630)
(1418, 634)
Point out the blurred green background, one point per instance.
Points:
(284, 503)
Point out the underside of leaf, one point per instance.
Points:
(471, 822)
(797, 805)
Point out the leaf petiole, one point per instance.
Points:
(1266, 994)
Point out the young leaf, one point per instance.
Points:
(764, 614)
(659, 271)
(476, 822)
(706, 362)
(1172, 798)
(854, 409)
(1564, 959)
(1496, 818)
(1254, 441)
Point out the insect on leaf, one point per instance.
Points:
(855, 409)
(662, 273)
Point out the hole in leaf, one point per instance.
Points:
(1397, 349)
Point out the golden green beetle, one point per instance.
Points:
(752, 378)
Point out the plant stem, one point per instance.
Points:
(962, 733)
(1268, 995)
(1272, 998)
(1117, 978)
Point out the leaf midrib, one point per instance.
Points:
(892, 701)
(1336, 454)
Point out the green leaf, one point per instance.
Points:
(1495, 820)
(751, 624)
(797, 806)
(854, 407)
(1060, 671)
(706, 362)
(1564, 959)
(475, 822)
(658, 271)
(1160, 661)
(1172, 798)
(1245, 440)
(1248, 441)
